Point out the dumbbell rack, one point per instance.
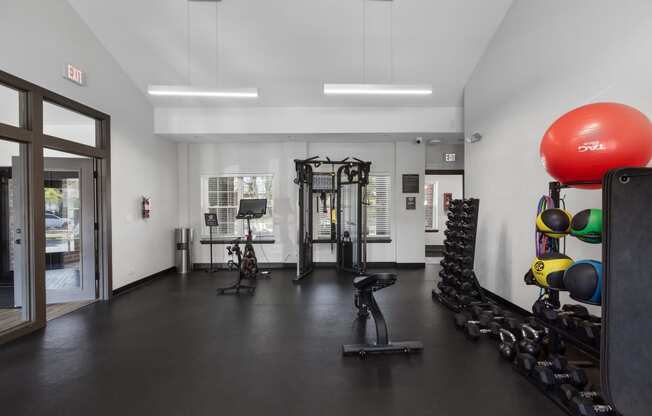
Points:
(459, 286)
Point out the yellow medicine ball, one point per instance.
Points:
(554, 222)
(548, 270)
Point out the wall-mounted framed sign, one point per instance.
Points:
(411, 202)
(411, 183)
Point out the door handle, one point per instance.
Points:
(18, 241)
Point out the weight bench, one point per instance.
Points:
(365, 287)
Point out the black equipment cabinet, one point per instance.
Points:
(626, 362)
(339, 192)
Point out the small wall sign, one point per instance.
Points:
(449, 157)
(411, 202)
(74, 74)
(411, 183)
(448, 197)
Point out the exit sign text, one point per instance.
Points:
(449, 157)
(74, 74)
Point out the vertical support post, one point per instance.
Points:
(210, 247)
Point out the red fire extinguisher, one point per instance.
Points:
(147, 206)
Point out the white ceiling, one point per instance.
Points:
(288, 48)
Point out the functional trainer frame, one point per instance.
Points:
(345, 191)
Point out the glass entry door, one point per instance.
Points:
(69, 230)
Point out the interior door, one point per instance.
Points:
(69, 230)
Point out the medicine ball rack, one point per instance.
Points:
(459, 286)
(549, 300)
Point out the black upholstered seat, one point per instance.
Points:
(375, 281)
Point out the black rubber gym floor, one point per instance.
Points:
(175, 348)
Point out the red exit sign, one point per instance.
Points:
(74, 74)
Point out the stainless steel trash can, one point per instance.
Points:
(183, 239)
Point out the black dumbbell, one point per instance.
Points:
(527, 362)
(554, 345)
(474, 330)
(552, 315)
(468, 298)
(513, 325)
(591, 330)
(465, 248)
(540, 307)
(585, 407)
(461, 318)
(466, 260)
(568, 393)
(467, 227)
(573, 376)
(444, 287)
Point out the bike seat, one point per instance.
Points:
(375, 281)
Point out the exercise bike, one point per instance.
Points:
(247, 262)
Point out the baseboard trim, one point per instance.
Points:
(410, 265)
(223, 266)
(140, 282)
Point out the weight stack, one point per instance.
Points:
(458, 286)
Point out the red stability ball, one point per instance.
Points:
(583, 144)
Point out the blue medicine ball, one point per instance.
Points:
(583, 279)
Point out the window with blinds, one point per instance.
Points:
(222, 194)
(378, 211)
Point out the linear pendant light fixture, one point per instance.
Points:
(190, 90)
(378, 89)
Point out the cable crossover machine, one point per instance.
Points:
(336, 191)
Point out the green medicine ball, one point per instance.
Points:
(587, 226)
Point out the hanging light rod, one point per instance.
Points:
(188, 91)
(377, 89)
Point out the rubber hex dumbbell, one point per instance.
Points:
(462, 318)
(527, 363)
(474, 330)
(585, 407)
(467, 227)
(573, 376)
(552, 315)
(568, 393)
(591, 330)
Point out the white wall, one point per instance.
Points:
(548, 57)
(393, 158)
(306, 120)
(37, 38)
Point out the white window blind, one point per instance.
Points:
(222, 194)
(378, 212)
